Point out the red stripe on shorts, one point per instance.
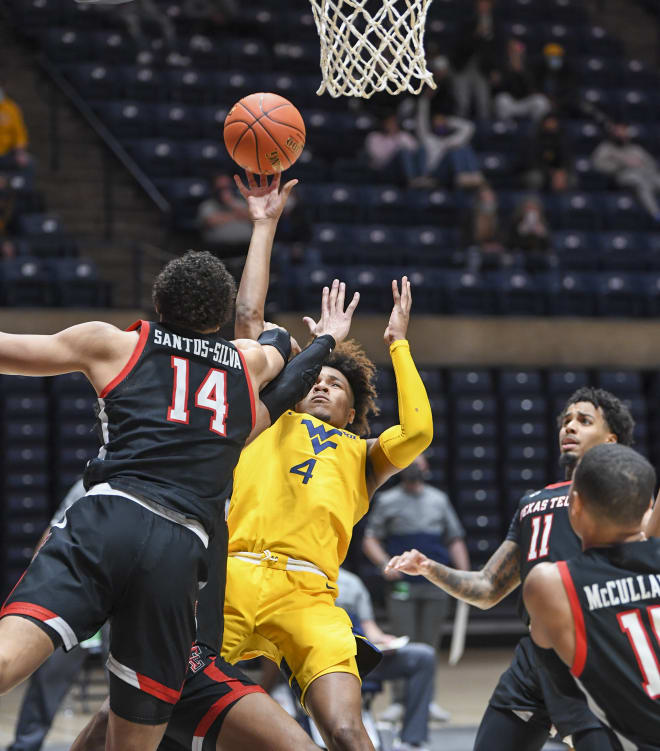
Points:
(236, 693)
(28, 608)
(150, 686)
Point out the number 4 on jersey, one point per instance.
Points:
(304, 469)
(211, 395)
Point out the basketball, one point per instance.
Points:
(264, 133)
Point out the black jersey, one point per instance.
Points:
(615, 599)
(542, 530)
(174, 420)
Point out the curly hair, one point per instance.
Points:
(617, 415)
(195, 291)
(351, 361)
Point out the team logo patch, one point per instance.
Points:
(320, 437)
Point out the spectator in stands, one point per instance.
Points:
(516, 92)
(549, 159)
(414, 663)
(444, 95)
(630, 165)
(414, 514)
(481, 230)
(13, 136)
(448, 155)
(556, 80)
(139, 14)
(223, 220)
(474, 59)
(529, 227)
(391, 149)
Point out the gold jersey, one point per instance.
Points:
(299, 489)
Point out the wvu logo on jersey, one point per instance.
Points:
(320, 436)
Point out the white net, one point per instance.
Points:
(372, 45)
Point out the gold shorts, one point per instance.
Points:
(289, 617)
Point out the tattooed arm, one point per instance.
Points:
(483, 589)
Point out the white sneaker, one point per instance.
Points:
(438, 714)
(394, 713)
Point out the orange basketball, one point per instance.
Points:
(264, 133)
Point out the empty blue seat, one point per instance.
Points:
(383, 204)
(465, 293)
(26, 282)
(475, 406)
(113, 46)
(528, 429)
(476, 430)
(637, 105)
(127, 119)
(569, 293)
(158, 157)
(206, 157)
(515, 293)
(142, 83)
(594, 40)
(520, 382)
(190, 86)
(622, 211)
(526, 472)
(479, 453)
(624, 251)
(620, 382)
(525, 407)
(533, 452)
(619, 295)
(77, 284)
(579, 211)
(176, 121)
(66, 45)
(437, 207)
(467, 475)
(470, 381)
(566, 381)
(485, 498)
(95, 81)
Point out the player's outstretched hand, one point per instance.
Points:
(411, 562)
(265, 201)
(397, 327)
(334, 319)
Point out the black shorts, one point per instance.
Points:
(537, 685)
(212, 687)
(114, 559)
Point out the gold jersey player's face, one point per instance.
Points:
(330, 399)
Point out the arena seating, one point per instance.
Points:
(170, 120)
(42, 268)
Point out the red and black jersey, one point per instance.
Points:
(174, 421)
(615, 599)
(542, 530)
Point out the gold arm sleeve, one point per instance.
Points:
(402, 443)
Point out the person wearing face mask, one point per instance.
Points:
(630, 165)
(555, 79)
(13, 135)
(529, 228)
(449, 157)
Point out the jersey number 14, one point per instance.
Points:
(211, 395)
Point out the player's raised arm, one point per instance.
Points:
(265, 205)
(396, 448)
(95, 348)
(483, 589)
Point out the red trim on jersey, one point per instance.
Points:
(160, 691)
(28, 608)
(557, 485)
(236, 693)
(580, 657)
(249, 383)
(144, 333)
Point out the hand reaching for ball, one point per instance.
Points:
(265, 201)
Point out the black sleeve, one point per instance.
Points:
(297, 378)
(514, 528)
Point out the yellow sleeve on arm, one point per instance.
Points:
(402, 443)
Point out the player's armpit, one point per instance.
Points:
(551, 620)
(73, 349)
